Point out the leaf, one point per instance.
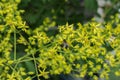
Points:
(30, 66)
(91, 5)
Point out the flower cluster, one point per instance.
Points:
(85, 50)
(10, 23)
(88, 50)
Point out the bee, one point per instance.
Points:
(64, 44)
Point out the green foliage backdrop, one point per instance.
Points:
(82, 50)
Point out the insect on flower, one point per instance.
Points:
(64, 44)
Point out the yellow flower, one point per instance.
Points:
(10, 62)
(7, 68)
(44, 73)
(68, 69)
(90, 73)
(98, 67)
(23, 73)
(31, 73)
(28, 78)
(82, 73)
(77, 66)
(117, 73)
(18, 1)
(91, 64)
(56, 71)
(83, 57)
(95, 78)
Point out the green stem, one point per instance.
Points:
(26, 60)
(23, 57)
(34, 59)
(20, 59)
(35, 63)
(15, 45)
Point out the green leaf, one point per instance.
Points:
(91, 5)
(30, 66)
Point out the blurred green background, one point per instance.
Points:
(71, 11)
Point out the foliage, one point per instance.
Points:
(62, 11)
(81, 50)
